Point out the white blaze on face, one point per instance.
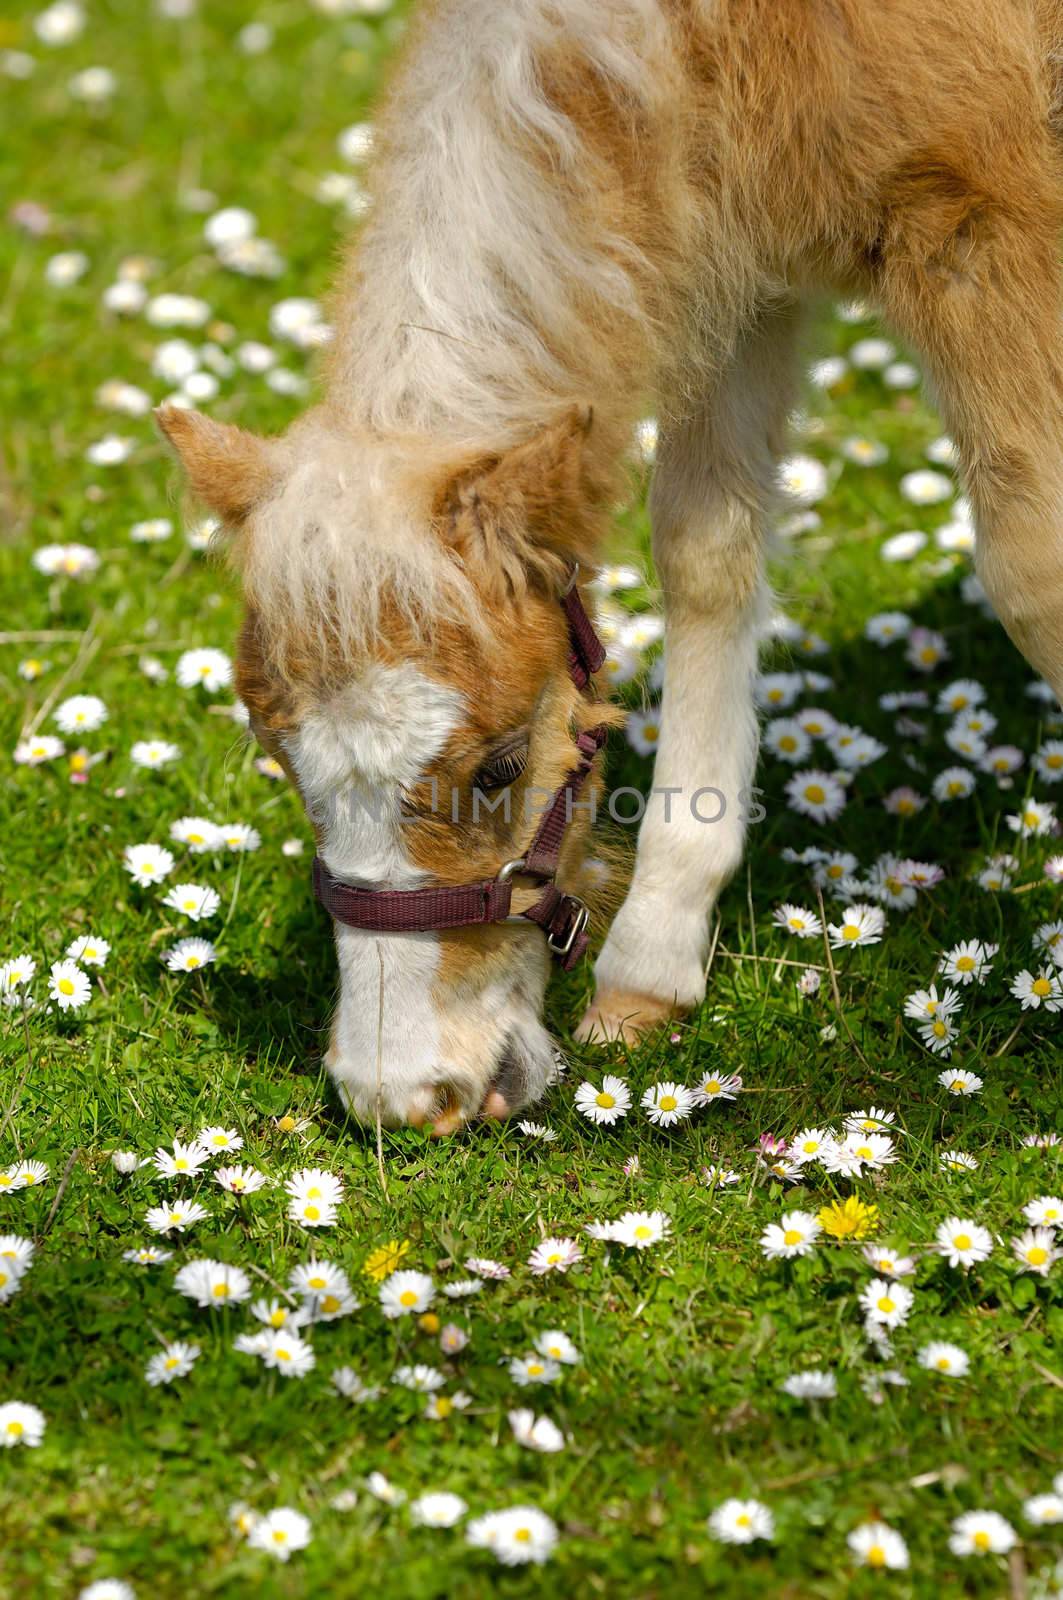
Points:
(353, 757)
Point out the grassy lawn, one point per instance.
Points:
(675, 1405)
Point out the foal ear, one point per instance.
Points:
(227, 467)
(532, 509)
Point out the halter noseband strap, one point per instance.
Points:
(562, 917)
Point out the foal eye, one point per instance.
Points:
(505, 763)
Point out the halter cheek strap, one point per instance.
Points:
(562, 916)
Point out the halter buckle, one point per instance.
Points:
(561, 943)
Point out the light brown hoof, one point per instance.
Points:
(620, 1014)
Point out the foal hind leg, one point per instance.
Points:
(973, 280)
(713, 484)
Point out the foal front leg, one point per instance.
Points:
(713, 484)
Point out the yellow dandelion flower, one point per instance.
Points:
(849, 1219)
(385, 1259)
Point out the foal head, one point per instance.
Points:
(405, 658)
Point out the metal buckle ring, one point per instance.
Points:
(572, 579)
(579, 923)
(506, 872)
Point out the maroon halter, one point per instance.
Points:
(562, 917)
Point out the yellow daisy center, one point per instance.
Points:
(849, 932)
(743, 1520)
(522, 1535)
(642, 1232)
(962, 1241)
(876, 1556)
(943, 1363)
(407, 1298)
(330, 1302)
(981, 1540)
(278, 1318)
(1037, 1255)
(312, 1213)
(815, 793)
(444, 1406)
(885, 1305)
(792, 1236)
(15, 1428)
(65, 986)
(1042, 987)
(220, 1291)
(668, 1102)
(605, 1100)
(712, 1086)
(965, 964)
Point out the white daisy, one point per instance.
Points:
(1036, 1250)
(21, 1424)
(68, 986)
(175, 1216)
(641, 1229)
(1044, 989)
(282, 1350)
(554, 1255)
(795, 1234)
(440, 1509)
(717, 1086)
(812, 1385)
(212, 1283)
(172, 1362)
(189, 955)
(667, 1103)
(82, 713)
(147, 863)
(979, 1533)
(197, 834)
(945, 1358)
(797, 920)
(193, 900)
(536, 1433)
(534, 1369)
(405, 1294)
(606, 1104)
(879, 1546)
(816, 794)
(87, 950)
(860, 925)
(970, 961)
(280, 1532)
(1044, 1212)
(886, 1303)
(211, 669)
(741, 1521)
(517, 1537)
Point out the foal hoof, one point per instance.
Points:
(620, 1014)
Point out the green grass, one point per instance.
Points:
(676, 1402)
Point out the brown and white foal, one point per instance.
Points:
(581, 209)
